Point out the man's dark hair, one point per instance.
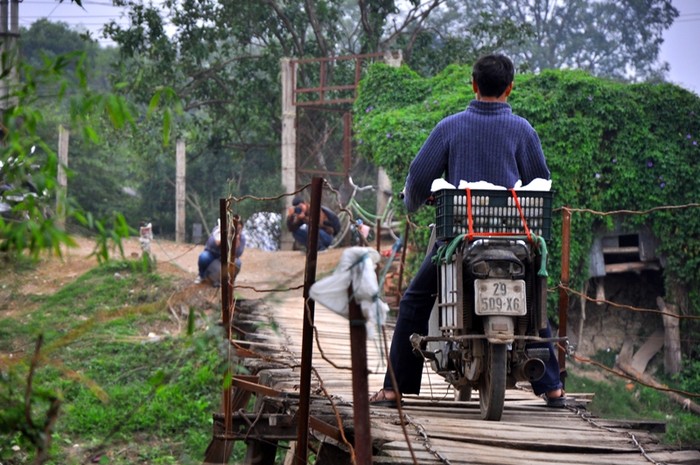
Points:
(493, 74)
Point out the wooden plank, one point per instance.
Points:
(395, 453)
(633, 425)
(528, 438)
(621, 250)
(478, 454)
(632, 266)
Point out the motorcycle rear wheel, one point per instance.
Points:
(492, 384)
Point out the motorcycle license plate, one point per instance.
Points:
(500, 297)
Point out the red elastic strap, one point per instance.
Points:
(470, 219)
(522, 215)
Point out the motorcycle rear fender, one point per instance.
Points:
(499, 329)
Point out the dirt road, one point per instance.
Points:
(261, 270)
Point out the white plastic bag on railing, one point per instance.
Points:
(357, 267)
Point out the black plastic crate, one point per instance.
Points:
(494, 212)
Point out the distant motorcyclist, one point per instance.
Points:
(209, 261)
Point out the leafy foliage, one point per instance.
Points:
(222, 63)
(27, 158)
(115, 386)
(611, 38)
(617, 399)
(44, 41)
(610, 146)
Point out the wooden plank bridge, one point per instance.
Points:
(433, 429)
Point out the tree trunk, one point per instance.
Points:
(672, 338)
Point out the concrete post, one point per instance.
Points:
(383, 181)
(289, 141)
(61, 178)
(180, 168)
(383, 185)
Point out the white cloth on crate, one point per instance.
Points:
(480, 185)
(440, 184)
(357, 268)
(538, 184)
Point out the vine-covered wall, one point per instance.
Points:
(609, 145)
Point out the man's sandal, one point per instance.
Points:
(380, 399)
(556, 402)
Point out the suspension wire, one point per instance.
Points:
(588, 417)
(623, 375)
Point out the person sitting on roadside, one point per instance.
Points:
(209, 261)
(298, 224)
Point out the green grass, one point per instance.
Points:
(616, 399)
(124, 398)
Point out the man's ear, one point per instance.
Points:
(509, 89)
(475, 87)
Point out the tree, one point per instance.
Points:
(27, 156)
(97, 181)
(44, 41)
(222, 62)
(458, 33)
(618, 39)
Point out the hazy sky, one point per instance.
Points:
(681, 48)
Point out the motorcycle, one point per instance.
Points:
(492, 293)
(12, 200)
(18, 198)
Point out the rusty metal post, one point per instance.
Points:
(360, 385)
(403, 257)
(347, 143)
(225, 309)
(563, 293)
(301, 454)
(225, 291)
(378, 232)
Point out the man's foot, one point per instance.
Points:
(198, 280)
(556, 398)
(384, 398)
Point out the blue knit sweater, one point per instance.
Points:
(486, 142)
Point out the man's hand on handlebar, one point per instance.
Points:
(429, 201)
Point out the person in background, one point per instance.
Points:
(298, 224)
(145, 238)
(209, 261)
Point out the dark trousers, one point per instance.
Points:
(301, 235)
(205, 259)
(414, 315)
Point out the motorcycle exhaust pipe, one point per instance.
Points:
(531, 370)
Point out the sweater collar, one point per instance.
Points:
(489, 107)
